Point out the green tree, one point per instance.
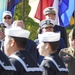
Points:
(30, 24)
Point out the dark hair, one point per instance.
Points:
(39, 30)
(54, 45)
(21, 42)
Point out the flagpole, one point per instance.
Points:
(23, 9)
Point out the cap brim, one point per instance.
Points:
(44, 26)
(50, 13)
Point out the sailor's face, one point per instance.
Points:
(41, 48)
(8, 19)
(50, 16)
(7, 45)
(72, 43)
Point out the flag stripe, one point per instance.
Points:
(67, 8)
(41, 6)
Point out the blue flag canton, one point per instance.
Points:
(12, 4)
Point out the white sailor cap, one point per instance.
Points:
(49, 37)
(6, 13)
(17, 32)
(46, 23)
(49, 10)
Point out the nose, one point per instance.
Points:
(50, 18)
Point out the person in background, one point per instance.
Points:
(31, 45)
(2, 35)
(47, 25)
(14, 48)
(7, 21)
(7, 18)
(2, 27)
(50, 13)
(6, 67)
(52, 63)
(68, 54)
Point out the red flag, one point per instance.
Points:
(41, 6)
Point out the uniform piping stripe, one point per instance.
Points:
(24, 65)
(7, 67)
(60, 69)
